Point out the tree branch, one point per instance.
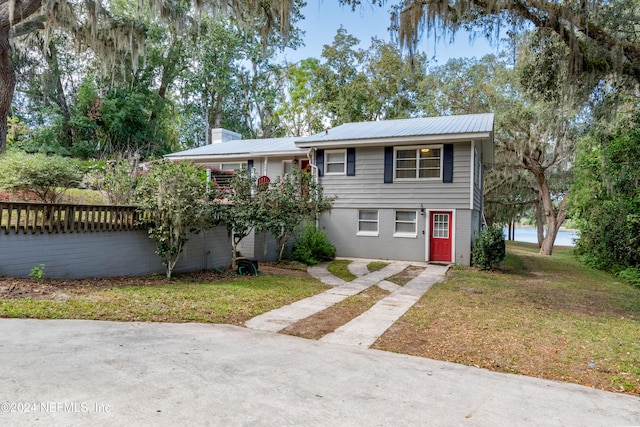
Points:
(24, 28)
(22, 10)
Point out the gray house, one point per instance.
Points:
(408, 189)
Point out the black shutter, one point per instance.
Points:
(388, 165)
(249, 166)
(320, 162)
(447, 163)
(351, 161)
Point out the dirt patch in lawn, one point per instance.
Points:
(316, 326)
(64, 289)
(297, 270)
(405, 275)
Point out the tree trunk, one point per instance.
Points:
(281, 251)
(11, 14)
(554, 217)
(539, 222)
(50, 54)
(7, 85)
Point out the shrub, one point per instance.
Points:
(488, 249)
(312, 246)
(631, 274)
(37, 272)
(45, 177)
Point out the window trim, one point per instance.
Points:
(404, 234)
(417, 169)
(377, 222)
(220, 166)
(447, 229)
(327, 153)
(284, 167)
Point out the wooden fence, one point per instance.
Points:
(63, 218)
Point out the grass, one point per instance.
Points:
(376, 265)
(547, 317)
(541, 316)
(232, 300)
(340, 268)
(82, 196)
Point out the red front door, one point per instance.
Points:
(440, 238)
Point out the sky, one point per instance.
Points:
(324, 17)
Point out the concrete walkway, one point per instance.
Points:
(278, 319)
(79, 373)
(365, 329)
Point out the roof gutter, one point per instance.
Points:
(226, 156)
(373, 142)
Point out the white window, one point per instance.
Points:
(335, 162)
(406, 224)
(367, 222)
(287, 166)
(232, 167)
(418, 162)
(440, 226)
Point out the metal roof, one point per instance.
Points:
(243, 147)
(429, 126)
(443, 127)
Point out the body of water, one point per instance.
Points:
(530, 235)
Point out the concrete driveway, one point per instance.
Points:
(70, 372)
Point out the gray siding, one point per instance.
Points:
(118, 253)
(476, 224)
(367, 190)
(246, 247)
(462, 236)
(274, 166)
(478, 178)
(261, 246)
(341, 227)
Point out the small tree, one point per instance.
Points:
(290, 201)
(175, 196)
(45, 177)
(488, 249)
(238, 208)
(117, 178)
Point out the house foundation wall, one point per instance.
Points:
(106, 254)
(341, 226)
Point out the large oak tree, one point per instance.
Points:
(115, 39)
(602, 35)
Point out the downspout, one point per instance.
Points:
(316, 173)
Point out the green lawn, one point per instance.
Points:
(340, 268)
(542, 316)
(549, 317)
(230, 300)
